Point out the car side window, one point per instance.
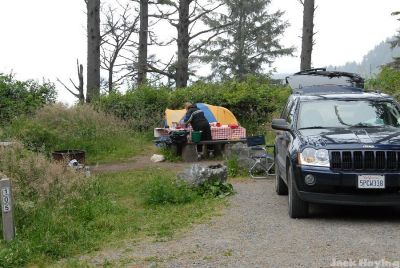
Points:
(292, 110)
(288, 113)
(285, 112)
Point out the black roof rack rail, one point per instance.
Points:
(354, 80)
(326, 89)
(308, 71)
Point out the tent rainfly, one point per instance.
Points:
(212, 113)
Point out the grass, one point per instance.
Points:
(114, 207)
(234, 169)
(104, 137)
(169, 155)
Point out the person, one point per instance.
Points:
(196, 118)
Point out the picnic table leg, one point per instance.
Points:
(218, 148)
(189, 152)
(205, 150)
(175, 149)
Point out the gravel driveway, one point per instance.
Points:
(256, 231)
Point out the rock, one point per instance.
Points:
(241, 152)
(197, 174)
(153, 265)
(236, 150)
(156, 158)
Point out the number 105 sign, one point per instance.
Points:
(6, 199)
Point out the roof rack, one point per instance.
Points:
(308, 71)
(326, 89)
(320, 77)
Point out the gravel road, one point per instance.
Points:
(256, 231)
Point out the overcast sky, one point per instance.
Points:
(43, 38)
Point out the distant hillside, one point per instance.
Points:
(371, 63)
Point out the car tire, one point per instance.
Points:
(297, 207)
(280, 186)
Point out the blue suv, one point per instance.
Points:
(336, 143)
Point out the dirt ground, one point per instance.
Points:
(256, 231)
(143, 162)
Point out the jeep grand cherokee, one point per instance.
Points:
(338, 144)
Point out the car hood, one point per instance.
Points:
(365, 136)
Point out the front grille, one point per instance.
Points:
(365, 160)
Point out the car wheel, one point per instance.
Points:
(280, 186)
(297, 207)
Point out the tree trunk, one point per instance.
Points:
(241, 40)
(182, 68)
(308, 33)
(93, 58)
(80, 87)
(110, 79)
(143, 36)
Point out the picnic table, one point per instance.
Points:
(221, 136)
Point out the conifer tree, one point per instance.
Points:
(249, 43)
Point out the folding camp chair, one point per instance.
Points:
(263, 161)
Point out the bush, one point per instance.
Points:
(103, 136)
(216, 189)
(253, 102)
(22, 97)
(388, 80)
(165, 190)
(142, 108)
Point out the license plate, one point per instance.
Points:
(371, 182)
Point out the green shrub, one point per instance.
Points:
(216, 189)
(164, 190)
(388, 80)
(103, 136)
(253, 102)
(22, 97)
(142, 108)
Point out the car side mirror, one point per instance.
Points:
(280, 124)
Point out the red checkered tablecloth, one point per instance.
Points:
(227, 133)
(221, 133)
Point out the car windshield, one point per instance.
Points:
(347, 113)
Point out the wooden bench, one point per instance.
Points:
(189, 150)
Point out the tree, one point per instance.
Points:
(308, 34)
(117, 33)
(184, 15)
(250, 40)
(143, 40)
(395, 64)
(93, 49)
(80, 88)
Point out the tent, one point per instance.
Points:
(212, 113)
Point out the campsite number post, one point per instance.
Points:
(7, 209)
